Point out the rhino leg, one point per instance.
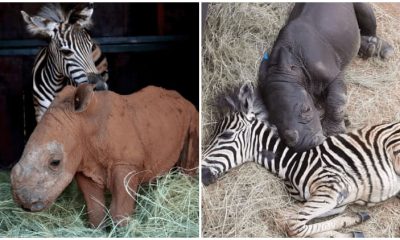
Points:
(94, 198)
(124, 184)
(366, 18)
(371, 45)
(333, 122)
(189, 158)
(375, 47)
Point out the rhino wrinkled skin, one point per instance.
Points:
(105, 141)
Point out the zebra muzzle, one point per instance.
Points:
(101, 86)
(98, 81)
(207, 177)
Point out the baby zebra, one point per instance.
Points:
(360, 167)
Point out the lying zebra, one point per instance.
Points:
(360, 167)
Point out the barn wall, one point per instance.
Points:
(173, 68)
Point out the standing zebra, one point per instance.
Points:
(71, 56)
(361, 167)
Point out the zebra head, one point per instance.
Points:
(70, 46)
(230, 144)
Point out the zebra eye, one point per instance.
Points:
(226, 135)
(66, 52)
(252, 118)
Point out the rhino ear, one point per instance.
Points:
(83, 97)
(37, 25)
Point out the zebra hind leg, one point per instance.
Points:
(318, 206)
(335, 234)
(341, 222)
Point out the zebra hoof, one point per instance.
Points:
(357, 234)
(364, 216)
(207, 177)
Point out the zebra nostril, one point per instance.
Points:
(101, 86)
(207, 177)
(98, 81)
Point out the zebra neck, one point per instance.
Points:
(46, 73)
(277, 157)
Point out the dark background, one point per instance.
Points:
(174, 67)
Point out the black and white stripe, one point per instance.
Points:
(71, 56)
(359, 167)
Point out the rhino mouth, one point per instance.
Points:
(34, 207)
(307, 143)
(28, 202)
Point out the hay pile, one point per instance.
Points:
(169, 207)
(250, 202)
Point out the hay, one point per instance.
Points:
(250, 202)
(166, 208)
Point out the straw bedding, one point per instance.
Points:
(248, 201)
(167, 207)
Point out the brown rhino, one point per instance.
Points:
(105, 141)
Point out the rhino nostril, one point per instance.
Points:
(291, 137)
(318, 139)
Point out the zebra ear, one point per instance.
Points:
(246, 97)
(39, 26)
(82, 15)
(83, 97)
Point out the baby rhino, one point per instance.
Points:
(105, 141)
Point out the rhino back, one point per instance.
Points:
(150, 126)
(334, 24)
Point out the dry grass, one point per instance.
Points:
(167, 207)
(249, 202)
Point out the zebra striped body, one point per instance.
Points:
(71, 56)
(359, 167)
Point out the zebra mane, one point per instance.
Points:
(54, 12)
(231, 102)
(76, 13)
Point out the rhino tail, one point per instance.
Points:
(189, 158)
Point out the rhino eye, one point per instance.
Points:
(226, 135)
(55, 162)
(306, 109)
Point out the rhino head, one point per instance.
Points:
(53, 152)
(292, 110)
